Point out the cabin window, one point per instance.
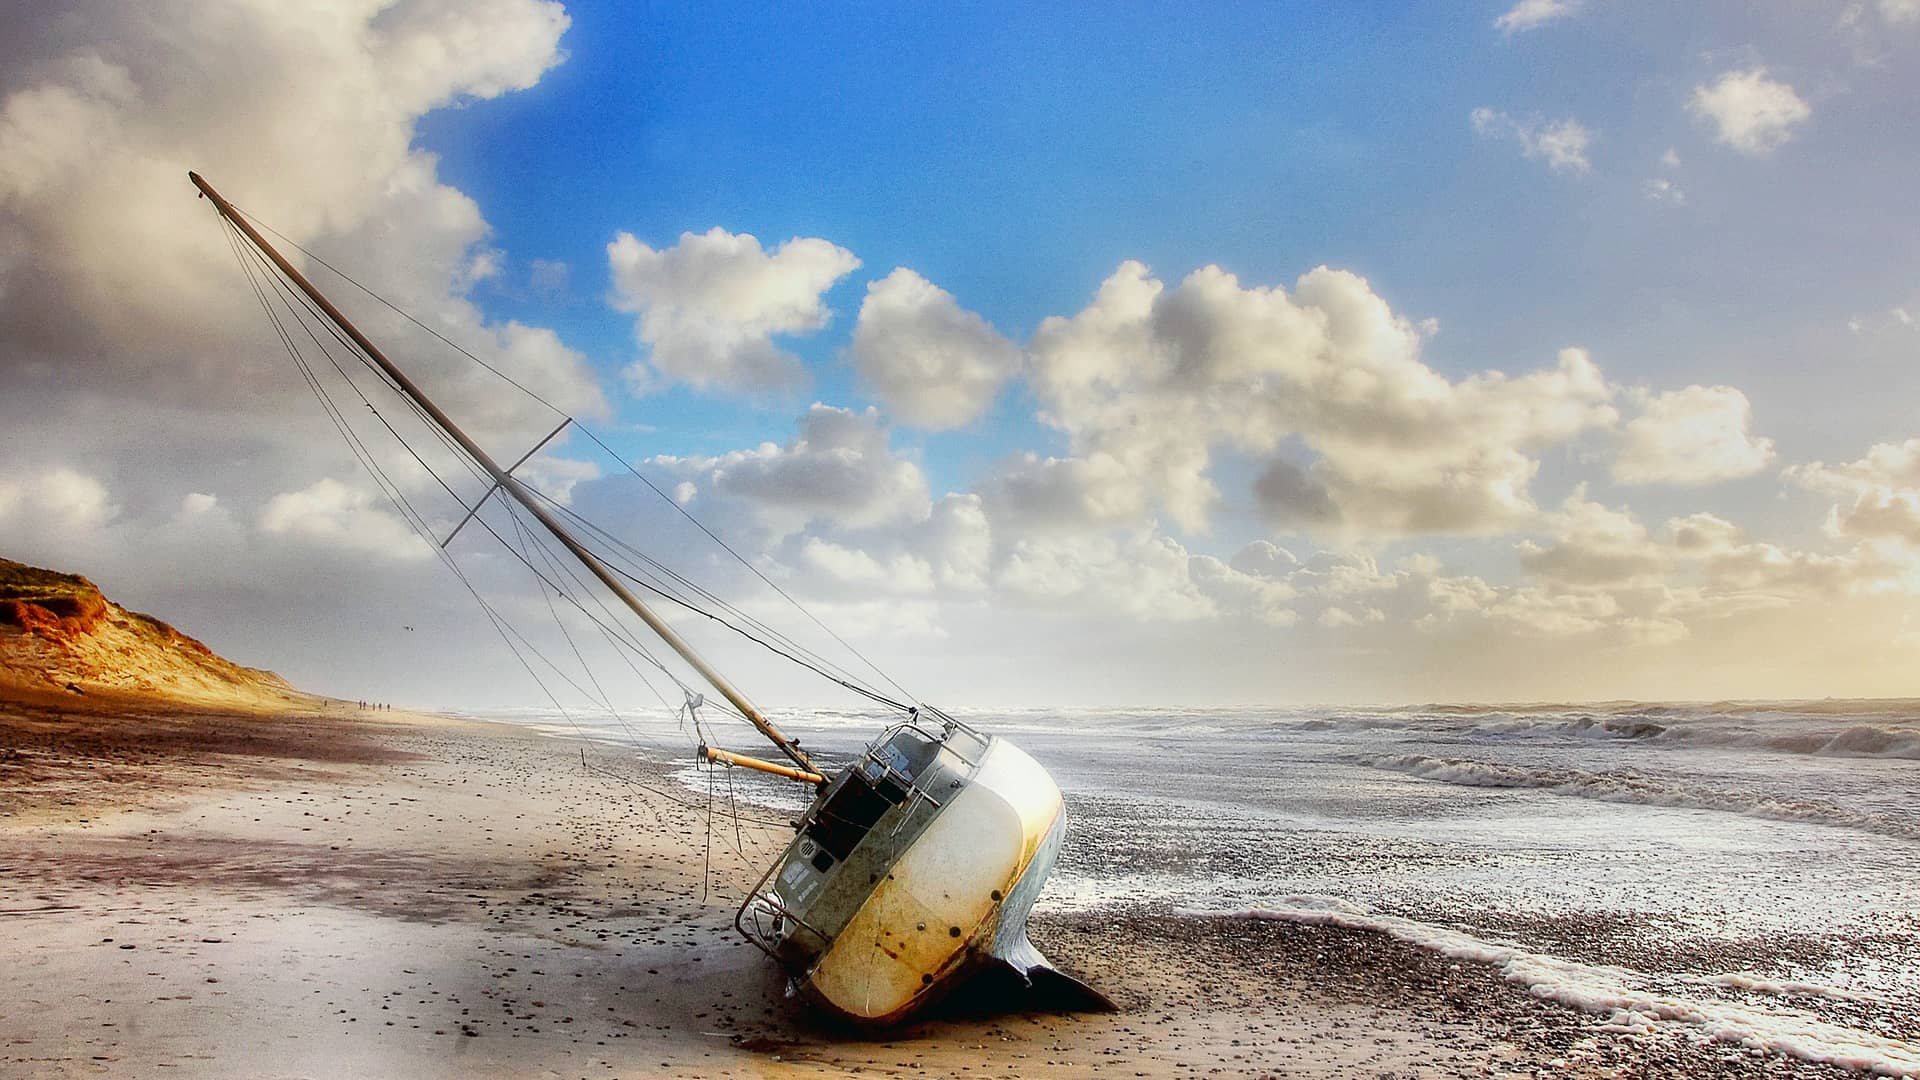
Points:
(850, 814)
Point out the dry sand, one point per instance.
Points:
(339, 893)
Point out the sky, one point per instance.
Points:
(1048, 354)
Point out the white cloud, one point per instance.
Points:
(556, 477)
(851, 567)
(1697, 435)
(711, 305)
(1662, 190)
(1900, 11)
(1562, 144)
(1530, 14)
(1147, 381)
(56, 504)
(103, 109)
(1263, 558)
(837, 468)
(332, 515)
(931, 362)
(1593, 545)
(1884, 486)
(1704, 534)
(1036, 494)
(957, 541)
(1142, 576)
(131, 335)
(1701, 566)
(1349, 593)
(1750, 112)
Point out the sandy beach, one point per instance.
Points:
(338, 893)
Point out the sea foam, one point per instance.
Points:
(1622, 787)
(1627, 1000)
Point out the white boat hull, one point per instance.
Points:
(959, 894)
(937, 889)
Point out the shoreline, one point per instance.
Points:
(328, 892)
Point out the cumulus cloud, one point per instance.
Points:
(198, 502)
(1351, 593)
(137, 357)
(1884, 487)
(1562, 144)
(104, 109)
(931, 362)
(1750, 111)
(1037, 494)
(1291, 499)
(711, 305)
(836, 468)
(332, 514)
(1148, 380)
(1593, 545)
(1531, 14)
(1143, 575)
(1662, 190)
(1689, 437)
(1699, 565)
(58, 503)
(842, 517)
(852, 567)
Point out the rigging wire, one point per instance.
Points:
(818, 668)
(415, 519)
(657, 586)
(391, 492)
(421, 527)
(743, 561)
(557, 411)
(560, 566)
(656, 565)
(417, 523)
(630, 467)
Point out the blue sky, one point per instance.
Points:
(1706, 205)
(1015, 155)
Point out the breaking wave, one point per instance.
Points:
(1622, 787)
(1632, 1001)
(1860, 740)
(1896, 741)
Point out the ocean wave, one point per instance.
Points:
(1622, 787)
(1631, 1001)
(1860, 740)
(1893, 738)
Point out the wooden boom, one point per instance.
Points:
(727, 758)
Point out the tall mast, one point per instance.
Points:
(522, 495)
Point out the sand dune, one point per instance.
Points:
(58, 632)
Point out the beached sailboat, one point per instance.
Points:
(910, 871)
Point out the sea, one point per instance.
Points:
(1743, 872)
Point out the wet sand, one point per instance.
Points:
(336, 893)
